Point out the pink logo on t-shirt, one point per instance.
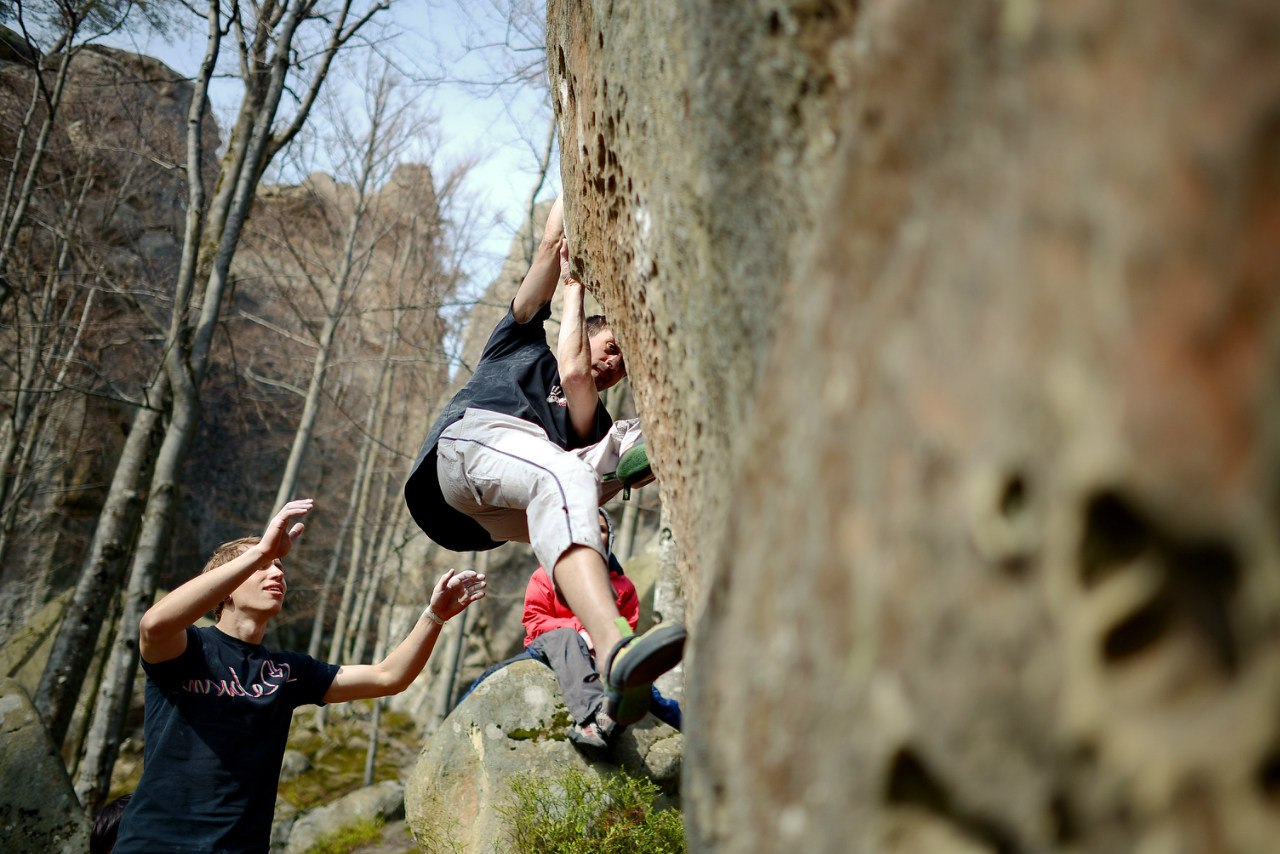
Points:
(270, 677)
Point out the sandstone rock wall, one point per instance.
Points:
(957, 330)
(121, 126)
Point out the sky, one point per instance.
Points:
(452, 54)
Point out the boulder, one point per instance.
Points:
(955, 329)
(39, 812)
(383, 801)
(514, 723)
(293, 764)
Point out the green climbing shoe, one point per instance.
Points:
(634, 470)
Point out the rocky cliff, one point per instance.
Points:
(92, 273)
(956, 329)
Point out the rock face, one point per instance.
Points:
(39, 813)
(122, 122)
(967, 317)
(515, 722)
(383, 800)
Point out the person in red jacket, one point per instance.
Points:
(556, 637)
(545, 612)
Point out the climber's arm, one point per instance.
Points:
(539, 284)
(573, 353)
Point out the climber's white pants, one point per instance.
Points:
(506, 474)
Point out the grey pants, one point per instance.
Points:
(567, 654)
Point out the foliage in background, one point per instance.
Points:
(578, 813)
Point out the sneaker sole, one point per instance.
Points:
(648, 657)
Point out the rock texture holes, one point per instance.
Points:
(1003, 523)
(1114, 535)
(910, 782)
(1013, 497)
(1139, 630)
(1062, 820)
(1192, 589)
(1267, 776)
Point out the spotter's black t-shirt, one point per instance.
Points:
(217, 718)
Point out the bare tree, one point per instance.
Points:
(374, 153)
(270, 38)
(64, 674)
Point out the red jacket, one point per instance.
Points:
(544, 612)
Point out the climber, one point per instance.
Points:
(520, 454)
(218, 703)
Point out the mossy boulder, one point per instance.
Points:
(514, 723)
(39, 812)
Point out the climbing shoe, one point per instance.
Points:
(588, 738)
(634, 470)
(595, 737)
(633, 664)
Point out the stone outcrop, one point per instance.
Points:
(120, 128)
(39, 812)
(381, 801)
(956, 329)
(515, 722)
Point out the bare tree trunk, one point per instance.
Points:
(337, 309)
(381, 538)
(99, 578)
(379, 651)
(339, 546)
(102, 746)
(668, 604)
(626, 540)
(370, 582)
(65, 672)
(359, 544)
(382, 561)
(359, 536)
(73, 745)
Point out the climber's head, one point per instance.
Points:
(607, 365)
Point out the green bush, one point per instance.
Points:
(577, 813)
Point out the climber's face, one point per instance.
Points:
(607, 365)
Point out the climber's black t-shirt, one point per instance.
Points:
(517, 375)
(217, 718)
